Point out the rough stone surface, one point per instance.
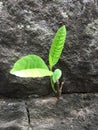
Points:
(28, 26)
(13, 115)
(72, 112)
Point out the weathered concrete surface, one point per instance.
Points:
(73, 112)
(27, 26)
(13, 115)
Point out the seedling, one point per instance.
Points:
(34, 66)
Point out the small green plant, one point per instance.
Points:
(34, 66)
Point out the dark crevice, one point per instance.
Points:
(28, 114)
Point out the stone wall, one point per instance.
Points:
(73, 112)
(28, 26)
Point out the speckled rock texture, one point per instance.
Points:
(28, 26)
(72, 112)
(13, 115)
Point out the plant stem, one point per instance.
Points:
(58, 89)
(52, 85)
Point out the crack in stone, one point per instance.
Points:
(28, 116)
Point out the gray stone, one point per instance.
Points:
(72, 112)
(28, 27)
(13, 115)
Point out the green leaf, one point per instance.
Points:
(56, 75)
(57, 46)
(30, 66)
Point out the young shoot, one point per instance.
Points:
(34, 66)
